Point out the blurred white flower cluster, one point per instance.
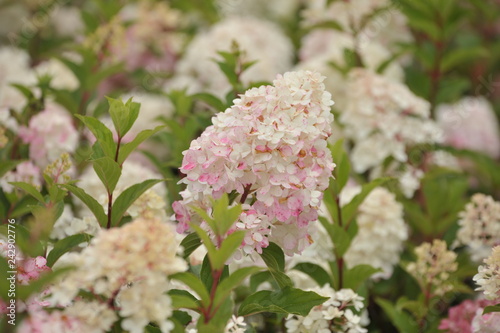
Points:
(383, 118)
(258, 40)
(381, 231)
(337, 314)
(433, 267)
(479, 226)
(487, 277)
(128, 266)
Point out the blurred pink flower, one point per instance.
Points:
(470, 124)
(467, 318)
(50, 133)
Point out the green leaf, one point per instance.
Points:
(231, 282)
(219, 318)
(64, 245)
(460, 56)
(343, 166)
(108, 171)
(210, 221)
(128, 148)
(127, 198)
(491, 308)
(285, 301)
(257, 279)
(340, 239)
(6, 166)
(316, 272)
(355, 276)
(183, 299)
(224, 216)
(90, 202)
(227, 248)
(123, 115)
(30, 189)
(190, 243)
(400, 319)
(349, 210)
(211, 100)
(193, 282)
(103, 134)
(209, 245)
(274, 258)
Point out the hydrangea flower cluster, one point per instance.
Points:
(79, 317)
(470, 124)
(433, 267)
(488, 277)
(132, 275)
(467, 317)
(151, 39)
(388, 27)
(322, 47)
(258, 39)
(381, 230)
(14, 68)
(49, 139)
(383, 118)
(479, 226)
(269, 147)
(338, 314)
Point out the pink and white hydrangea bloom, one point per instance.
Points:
(270, 148)
(467, 317)
(471, 124)
(24, 172)
(50, 133)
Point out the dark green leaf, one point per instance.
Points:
(190, 243)
(491, 309)
(64, 245)
(400, 319)
(355, 276)
(285, 301)
(316, 272)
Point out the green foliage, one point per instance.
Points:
(108, 171)
(65, 245)
(94, 206)
(128, 148)
(274, 258)
(285, 301)
(316, 272)
(103, 135)
(400, 319)
(190, 243)
(128, 197)
(30, 189)
(123, 115)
